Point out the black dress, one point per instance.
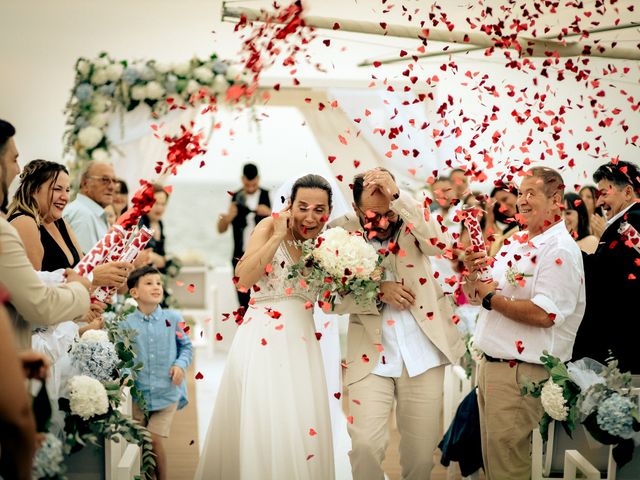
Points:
(156, 245)
(54, 257)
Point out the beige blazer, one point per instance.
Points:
(32, 303)
(421, 236)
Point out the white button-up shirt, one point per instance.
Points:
(88, 221)
(403, 341)
(547, 270)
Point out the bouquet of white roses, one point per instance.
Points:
(341, 263)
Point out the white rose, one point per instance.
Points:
(99, 104)
(83, 67)
(114, 71)
(100, 155)
(101, 62)
(99, 120)
(131, 302)
(98, 336)
(87, 397)
(203, 74)
(220, 84)
(233, 72)
(193, 86)
(163, 67)
(99, 76)
(181, 68)
(138, 92)
(90, 136)
(154, 90)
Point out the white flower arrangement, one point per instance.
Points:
(49, 458)
(87, 397)
(516, 278)
(104, 85)
(553, 401)
(342, 254)
(340, 263)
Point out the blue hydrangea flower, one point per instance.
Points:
(84, 91)
(107, 90)
(219, 67)
(48, 462)
(95, 359)
(130, 75)
(614, 416)
(81, 122)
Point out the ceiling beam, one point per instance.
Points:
(540, 47)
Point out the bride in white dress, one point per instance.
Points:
(271, 417)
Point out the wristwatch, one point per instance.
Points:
(486, 301)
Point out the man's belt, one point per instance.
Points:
(489, 358)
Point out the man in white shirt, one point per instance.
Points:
(398, 354)
(535, 303)
(86, 214)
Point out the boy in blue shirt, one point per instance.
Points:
(165, 351)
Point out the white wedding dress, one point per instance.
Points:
(271, 417)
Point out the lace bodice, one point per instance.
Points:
(277, 286)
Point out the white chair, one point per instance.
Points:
(122, 459)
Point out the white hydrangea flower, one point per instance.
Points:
(90, 136)
(234, 72)
(203, 74)
(154, 90)
(181, 68)
(99, 120)
(114, 71)
(138, 92)
(220, 84)
(87, 397)
(95, 336)
(553, 401)
(99, 77)
(100, 155)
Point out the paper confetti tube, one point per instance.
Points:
(630, 235)
(477, 239)
(132, 251)
(114, 237)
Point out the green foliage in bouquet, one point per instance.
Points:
(559, 395)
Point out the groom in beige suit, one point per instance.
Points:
(398, 350)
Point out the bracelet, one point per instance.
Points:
(474, 279)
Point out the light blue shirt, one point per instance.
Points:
(160, 344)
(88, 221)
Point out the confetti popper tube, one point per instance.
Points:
(100, 251)
(132, 251)
(630, 235)
(477, 239)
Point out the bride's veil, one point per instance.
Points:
(341, 206)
